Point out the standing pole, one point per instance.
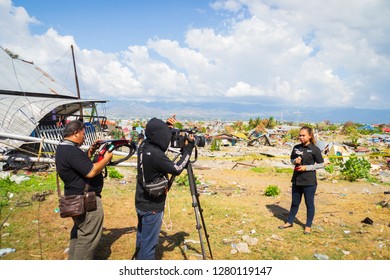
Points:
(77, 82)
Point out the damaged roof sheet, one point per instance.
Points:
(21, 76)
(27, 94)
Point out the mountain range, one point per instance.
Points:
(120, 109)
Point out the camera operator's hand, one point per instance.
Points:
(190, 142)
(171, 121)
(92, 149)
(191, 138)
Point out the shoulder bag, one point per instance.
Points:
(76, 205)
(158, 186)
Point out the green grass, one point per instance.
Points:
(37, 232)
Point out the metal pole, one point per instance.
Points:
(44, 140)
(51, 160)
(77, 81)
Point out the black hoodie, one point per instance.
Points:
(156, 163)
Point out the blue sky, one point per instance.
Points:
(316, 54)
(114, 25)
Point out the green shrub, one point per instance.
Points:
(261, 169)
(272, 190)
(182, 180)
(215, 145)
(6, 188)
(356, 168)
(113, 173)
(282, 170)
(330, 168)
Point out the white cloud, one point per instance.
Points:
(307, 53)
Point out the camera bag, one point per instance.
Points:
(158, 186)
(76, 205)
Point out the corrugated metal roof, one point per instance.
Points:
(21, 76)
(21, 115)
(27, 94)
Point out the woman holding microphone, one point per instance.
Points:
(307, 158)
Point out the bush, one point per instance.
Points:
(272, 190)
(183, 180)
(215, 145)
(356, 168)
(330, 168)
(113, 173)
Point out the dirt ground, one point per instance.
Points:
(234, 206)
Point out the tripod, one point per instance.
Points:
(197, 208)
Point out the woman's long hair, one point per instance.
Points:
(310, 132)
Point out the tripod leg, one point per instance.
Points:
(204, 225)
(198, 210)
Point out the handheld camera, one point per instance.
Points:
(179, 137)
(111, 145)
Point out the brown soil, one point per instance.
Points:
(233, 202)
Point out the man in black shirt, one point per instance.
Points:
(155, 164)
(75, 168)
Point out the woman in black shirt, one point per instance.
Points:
(307, 159)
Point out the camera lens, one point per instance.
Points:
(200, 140)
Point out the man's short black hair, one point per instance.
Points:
(72, 127)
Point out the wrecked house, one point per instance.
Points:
(261, 140)
(334, 149)
(227, 139)
(33, 104)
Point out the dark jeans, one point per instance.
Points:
(148, 231)
(308, 192)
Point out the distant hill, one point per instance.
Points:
(231, 111)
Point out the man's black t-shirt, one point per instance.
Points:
(310, 155)
(72, 167)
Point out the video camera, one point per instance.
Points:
(111, 145)
(179, 137)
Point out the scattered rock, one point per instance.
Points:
(186, 241)
(366, 191)
(252, 241)
(274, 236)
(243, 248)
(245, 237)
(229, 240)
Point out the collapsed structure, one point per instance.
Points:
(33, 104)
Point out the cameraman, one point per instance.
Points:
(150, 210)
(75, 169)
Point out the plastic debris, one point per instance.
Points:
(6, 251)
(321, 257)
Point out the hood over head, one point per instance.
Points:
(158, 133)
